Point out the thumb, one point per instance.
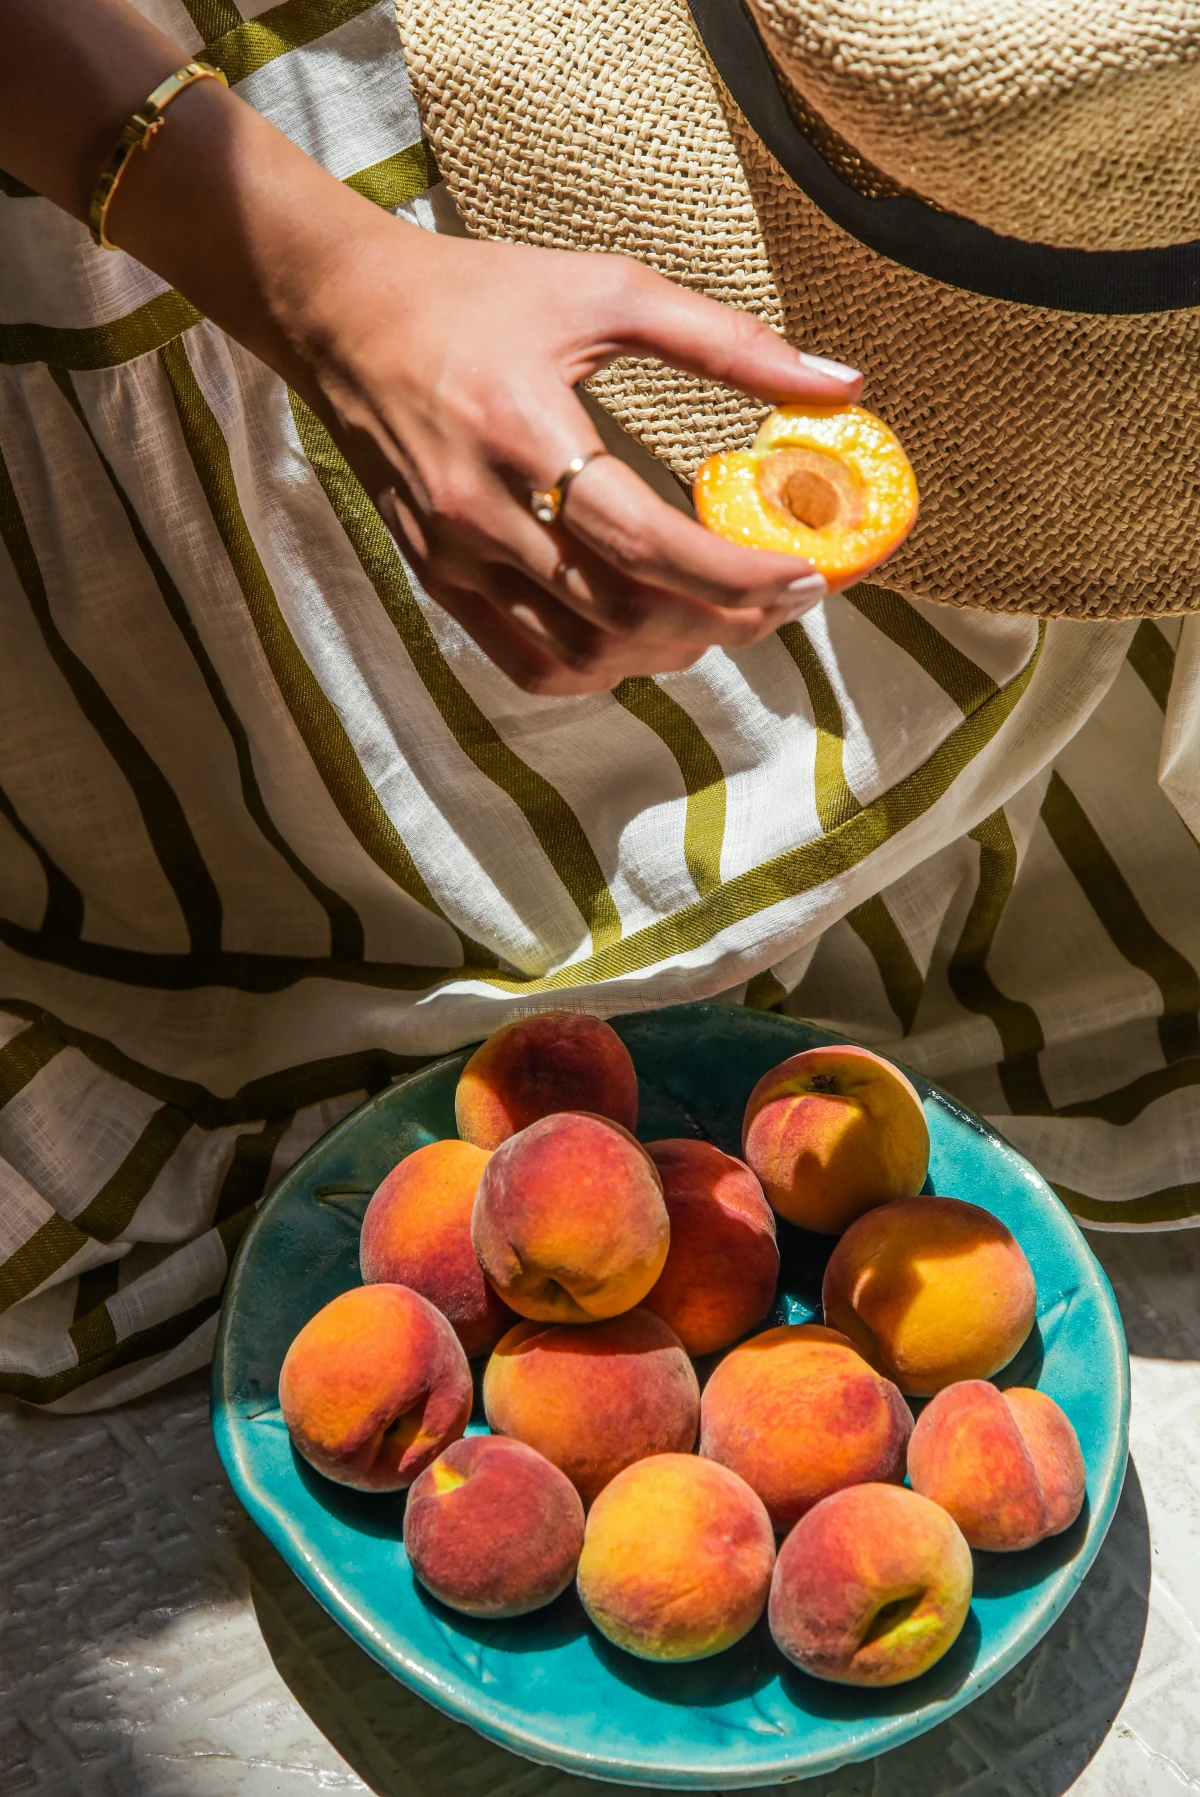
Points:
(651, 316)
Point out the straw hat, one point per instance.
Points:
(991, 206)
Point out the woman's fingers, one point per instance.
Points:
(541, 645)
(616, 514)
(650, 316)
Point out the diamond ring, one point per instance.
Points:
(546, 503)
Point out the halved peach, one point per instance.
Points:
(830, 483)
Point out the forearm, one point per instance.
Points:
(220, 203)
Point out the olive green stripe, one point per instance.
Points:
(146, 1342)
(1152, 659)
(249, 46)
(148, 328)
(1172, 1205)
(903, 985)
(559, 833)
(246, 1180)
(315, 717)
(157, 322)
(213, 18)
(703, 775)
(111, 1211)
(13, 189)
(92, 1330)
(231, 1229)
(764, 992)
(798, 870)
(805, 867)
(25, 1056)
(835, 801)
(1127, 1102)
(957, 675)
(242, 972)
(167, 828)
(289, 1089)
(1130, 930)
(1016, 1023)
(397, 178)
(346, 940)
(62, 918)
(107, 1216)
(45, 1251)
(95, 1287)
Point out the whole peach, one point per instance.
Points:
(492, 1529)
(798, 1413)
(593, 1400)
(374, 1387)
(719, 1276)
(569, 1222)
(871, 1587)
(931, 1291)
(1005, 1464)
(832, 1133)
(677, 1559)
(556, 1061)
(417, 1232)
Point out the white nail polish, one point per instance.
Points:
(838, 371)
(810, 588)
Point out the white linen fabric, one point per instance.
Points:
(273, 831)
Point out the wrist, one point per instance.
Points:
(254, 232)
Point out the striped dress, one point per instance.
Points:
(273, 831)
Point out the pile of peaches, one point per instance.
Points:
(595, 1272)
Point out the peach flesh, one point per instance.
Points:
(1006, 1465)
(830, 483)
(677, 1559)
(798, 1414)
(569, 1223)
(871, 1587)
(492, 1529)
(417, 1232)
(833, 1132)
(594, 1400)
(555, 1061)
(374, 1387)
(722, 1266)
(931, 1291)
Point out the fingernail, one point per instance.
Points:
(812, 588)
(837, 371)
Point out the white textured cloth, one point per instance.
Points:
(272, 829)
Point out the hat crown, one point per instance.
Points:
(1067, 122)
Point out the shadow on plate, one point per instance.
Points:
(849, 1703)
(741, 1671)
(377, 1513)
(559, 1623)
(1034, 1732)
(1001, 1575)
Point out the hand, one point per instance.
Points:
(445, 369)
(448, 380)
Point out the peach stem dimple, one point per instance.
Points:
(889, 1616)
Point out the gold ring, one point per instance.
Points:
(546, 503)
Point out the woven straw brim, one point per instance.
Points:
(1057, 453)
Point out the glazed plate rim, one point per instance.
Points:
(461, 1698)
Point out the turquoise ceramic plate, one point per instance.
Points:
(546, 1685)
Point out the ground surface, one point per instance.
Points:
(153, 1645)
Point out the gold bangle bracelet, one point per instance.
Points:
(140, 129)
